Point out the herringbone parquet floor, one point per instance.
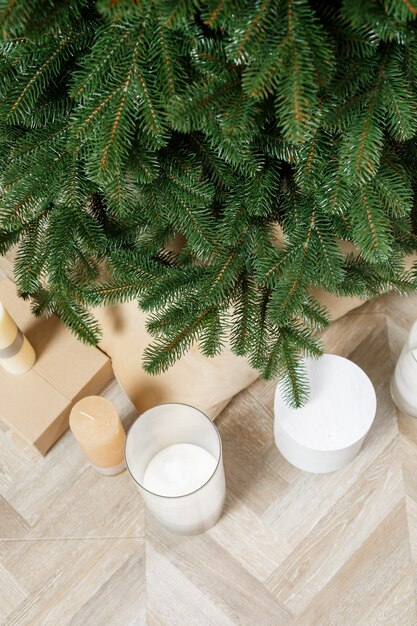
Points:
(291, 548)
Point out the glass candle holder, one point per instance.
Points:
(174, 454)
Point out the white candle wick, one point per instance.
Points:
(90, 417)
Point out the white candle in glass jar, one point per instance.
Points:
(174, 454)
(404, 380)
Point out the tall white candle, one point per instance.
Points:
(179, 469)
(16, 353)
(404, 380)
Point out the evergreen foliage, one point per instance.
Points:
(124, 122)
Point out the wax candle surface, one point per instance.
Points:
(16, 354)
(96, 425)
(179, 469)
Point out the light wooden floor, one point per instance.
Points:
(291, 548)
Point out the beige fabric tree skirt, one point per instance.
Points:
(208, 384)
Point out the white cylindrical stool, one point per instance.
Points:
(327, 433)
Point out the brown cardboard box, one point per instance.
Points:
(36, 405)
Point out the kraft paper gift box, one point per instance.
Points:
(36, 405)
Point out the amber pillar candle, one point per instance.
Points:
(96, 426)
(16, 354)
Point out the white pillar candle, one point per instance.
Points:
(327, 432)
(174, 454)
(16, 354)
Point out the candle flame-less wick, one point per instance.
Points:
(90, 417)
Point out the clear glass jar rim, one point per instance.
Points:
(220, 455)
